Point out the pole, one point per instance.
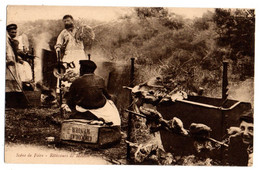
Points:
(224, 81)
(129, 130)
(224, 100)
(59, 71)
(33, 74)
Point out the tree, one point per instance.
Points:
(158, 12)
(236, 29)
(236, 33)
(169, 20)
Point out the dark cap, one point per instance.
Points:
(247, 116)
(67, 16)
(11, 27)
(88, 64)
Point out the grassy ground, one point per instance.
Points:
(32, 126)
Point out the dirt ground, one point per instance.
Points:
(27, 129)
(30, 127)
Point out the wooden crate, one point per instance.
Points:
(79, 131)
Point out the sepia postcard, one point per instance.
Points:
(129, 85)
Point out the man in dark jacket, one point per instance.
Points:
(88, 96)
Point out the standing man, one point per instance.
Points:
(70, 44)
(13, 80)
(23, 67)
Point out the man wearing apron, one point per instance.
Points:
(70, 47)
(88, 97)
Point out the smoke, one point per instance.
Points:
(41, 42)
(106, 64)
(98, 56)
(40, 34)
(242, 91)
(23, 42)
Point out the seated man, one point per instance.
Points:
(88, 97)
(240, 151)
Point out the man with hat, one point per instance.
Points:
(13, 80)
(23, 69)
(88, 97)
(12, 32)
(240, 151)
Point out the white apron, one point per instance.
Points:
(108, 112)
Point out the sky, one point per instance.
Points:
(31, 13)
(190, 12)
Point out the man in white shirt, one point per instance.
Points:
(70, 47)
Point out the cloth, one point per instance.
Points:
(25, 71)
(73, 48)
(88, 91)
(13, 80)
(108, 112)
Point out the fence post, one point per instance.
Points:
(129, 127)
(224, 100)
(33, 73)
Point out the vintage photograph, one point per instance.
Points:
(129, 85)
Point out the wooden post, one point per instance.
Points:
(59, 71)
(129, 129)
(224, 96)
(224, 81)
(224, 100)
(33, 73)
